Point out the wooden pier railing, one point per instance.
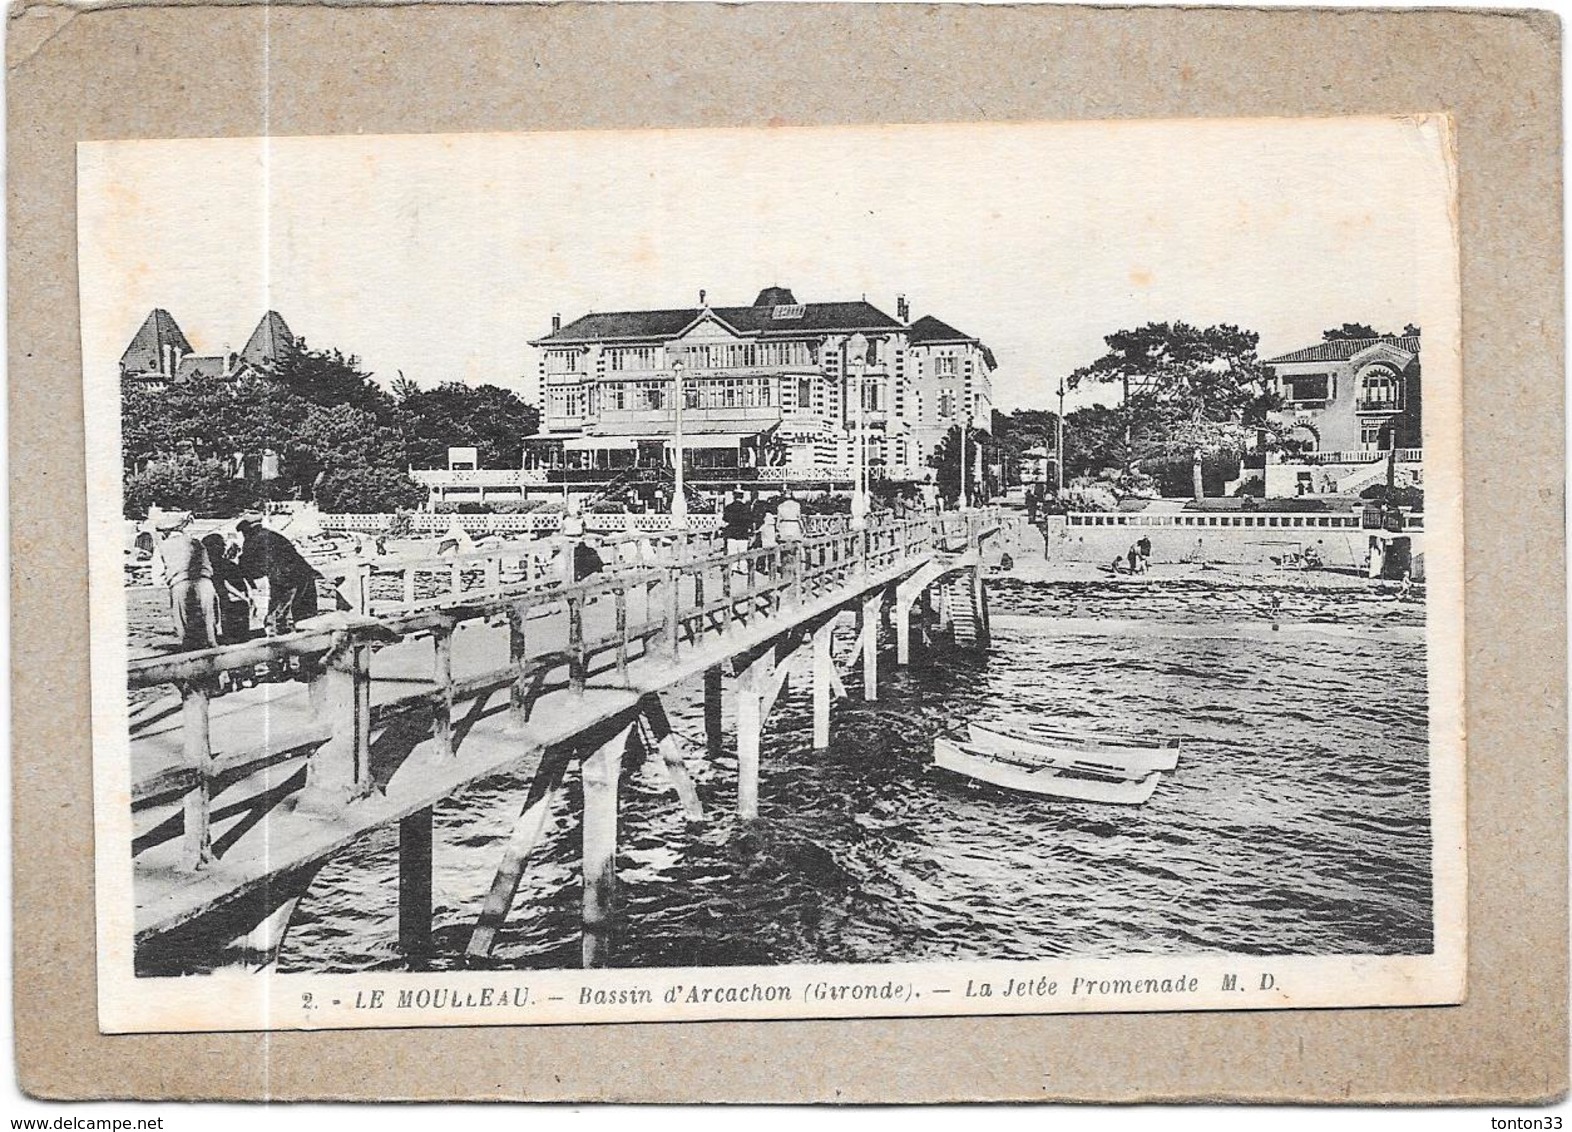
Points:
(561, 634)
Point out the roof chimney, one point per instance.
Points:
(556, 323)
(902, 311)
(701, 296)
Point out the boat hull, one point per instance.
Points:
(1046, 780)
(1119, 759)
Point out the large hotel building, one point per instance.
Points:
(769, 393)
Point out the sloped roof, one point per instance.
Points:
(146, 350)
(268, 341)
(1340, 350)
(775, 297)
(754, 321)
(930, 331)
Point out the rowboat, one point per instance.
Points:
(1037, 777)
(1125, 758)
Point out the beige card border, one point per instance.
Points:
(422, 69)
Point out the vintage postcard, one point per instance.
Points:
(780, 573)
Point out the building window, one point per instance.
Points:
(944, 365)
(1305, 388)
(632, 357)
(562, 361)
(1380, 388)
(804, 393)
(1370, 434)
(946, 404)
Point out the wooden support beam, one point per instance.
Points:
(622, 635)
(518, 658)
(601, 773)
(442, 677)
(414, 884)
(258, 949)
(341, 770)
(980, 606)
(533, 822)
(578, 663)
(712, 713)
(871, 608)
(778, 680)
(751, 685)
(823, 674)
(903, 627)
(197, 842)
(670, 599)
(670, 750)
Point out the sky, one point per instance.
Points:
(441, 256)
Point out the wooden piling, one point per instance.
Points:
(622, 635)
(197, 842)
(752, 686)
(870, 646)
(823, 675)
(340, 769)
(601, 772)
(442, 677)
(712, 713)
(980, 606)
(414, 884)
(518, 659)
(577, 661)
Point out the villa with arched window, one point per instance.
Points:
(1347, 405)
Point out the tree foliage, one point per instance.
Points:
(1018, 432)
(947, 463)
(1188, 391)
(336, 436)
(489, 417)
(187, 483)
(1355, 330)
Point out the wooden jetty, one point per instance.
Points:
(238, 797)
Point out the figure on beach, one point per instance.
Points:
(1140, 554)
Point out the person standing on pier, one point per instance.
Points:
(291, 581)
(1031, 505)
(188, 574)
(234, 623)
(788, 519)
(737, 523)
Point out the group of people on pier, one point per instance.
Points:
(216, 587)
(748, 524)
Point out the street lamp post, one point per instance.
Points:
(857, 356)
(679, 501)
(966, 426)
(1058, 449)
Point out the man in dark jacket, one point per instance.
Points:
(291, 582)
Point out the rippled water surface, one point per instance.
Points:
(1297, 820)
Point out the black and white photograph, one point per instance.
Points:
(774, 573)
